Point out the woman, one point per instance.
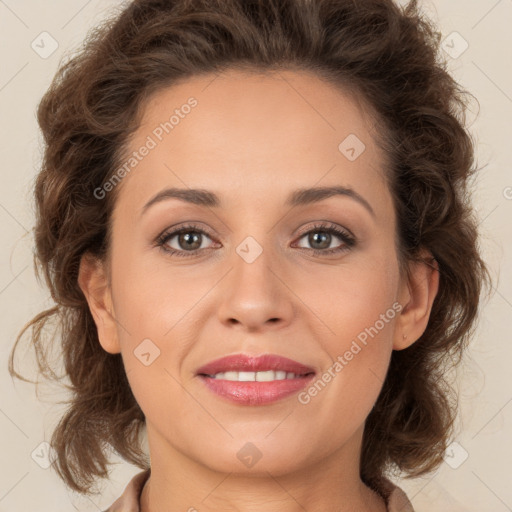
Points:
(253, 217)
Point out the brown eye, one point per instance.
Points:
(186, 241)
(320, 239)
(321, 236)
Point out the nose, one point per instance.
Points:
(255, 295)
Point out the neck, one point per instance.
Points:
(179, 483)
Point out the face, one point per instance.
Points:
(313, 281)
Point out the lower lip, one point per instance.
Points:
(256, 393)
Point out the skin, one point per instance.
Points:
(247, 130)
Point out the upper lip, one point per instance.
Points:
(247, 363)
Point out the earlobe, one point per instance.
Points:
(93, 282)
(417, 296)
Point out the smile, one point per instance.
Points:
(265, 376)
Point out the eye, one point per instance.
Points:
(188, 239)
(321, 237)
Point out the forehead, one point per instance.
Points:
(262, 105)
(254, 132)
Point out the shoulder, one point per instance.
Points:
(130, 499)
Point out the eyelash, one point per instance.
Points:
(348, 240)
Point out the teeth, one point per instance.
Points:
(255, 376)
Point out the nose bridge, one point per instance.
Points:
(253, 261)
(253, 293)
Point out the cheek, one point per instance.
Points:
(358, 308)
(151, 300)
(353, 300)
(156, 307)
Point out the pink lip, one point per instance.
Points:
(253, 392)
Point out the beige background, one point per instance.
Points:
(479, 483)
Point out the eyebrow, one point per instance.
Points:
(299, 197)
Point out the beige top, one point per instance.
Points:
(129, 501)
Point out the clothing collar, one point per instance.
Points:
(129, 501)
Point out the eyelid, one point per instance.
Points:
(325, 224)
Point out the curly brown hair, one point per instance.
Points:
(390, 56)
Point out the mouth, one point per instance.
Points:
(242, 367)
(261, 376)
(250, 380)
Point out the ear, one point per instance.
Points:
(93, 282)
(416, 295)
